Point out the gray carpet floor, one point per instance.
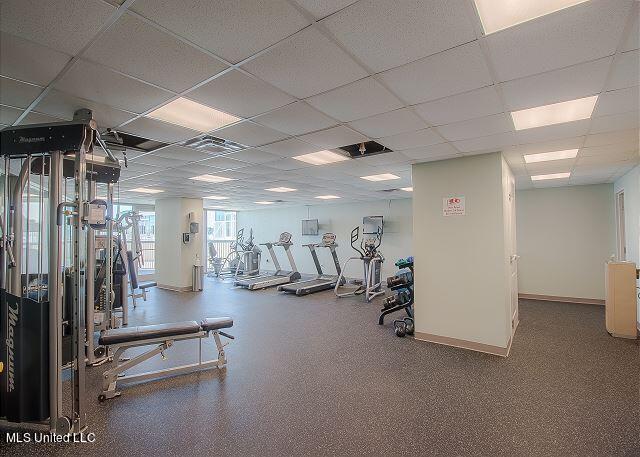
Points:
(318, 376)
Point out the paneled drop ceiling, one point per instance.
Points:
(419, 77)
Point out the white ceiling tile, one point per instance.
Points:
(323, 8)
(138, 49)
(288, 164)
(158, 130)
(289, 148)
(585, 32)
(305, 65)
(334, 137)
(63, 105)
(385, 159)
(450, 72)
(409, 140)
(217, 26)
(249, 133)
(633, 39)
(618, 101)
(181, 153)
(387, 124)
(433, 152)
(157, 161)
(296, 119)
(28, 61)
(486, 143)
(546, 146)
(630, 147)
(622, 121)
(476, 103)
(93, 82)
(258, 170)
(254, 156)
(65, 26)
(553, 132)
(38, 118)
(555, 166)
(556, 86)
(474, 128)
(224, 163)
(613, 157)
(239, 94)
(17, 94)
(359, 99)
(621, 136)
(384, 34)
(625, 71)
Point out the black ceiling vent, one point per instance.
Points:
(120, 140)
(368, 148)
(212, 144)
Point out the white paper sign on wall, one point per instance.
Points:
(453, 206)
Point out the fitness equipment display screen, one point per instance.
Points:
(371, 224)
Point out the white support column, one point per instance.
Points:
(462, 251)
(175, 259)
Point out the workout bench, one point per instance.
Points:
(163, 336)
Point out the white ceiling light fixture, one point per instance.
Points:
(327, 197)
(146, 190)
(381, 177)
(556, 113)
(550, 176)
(497, 15)
(263, 203)
(407, 189)
(216, 197)
(549, 156)
(321, 157)
(211, 178)
(281, 189)
(192, 115)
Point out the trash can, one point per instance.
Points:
(198, 278)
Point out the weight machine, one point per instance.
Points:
(48, 209)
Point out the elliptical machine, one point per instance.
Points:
(402, 285)
(243, 260)
(372, 259)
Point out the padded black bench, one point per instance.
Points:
(147, 285)
(163, 337)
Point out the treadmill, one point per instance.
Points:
(280, 276)
(322, 281)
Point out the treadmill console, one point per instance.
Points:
(328, 238)
(285, 238)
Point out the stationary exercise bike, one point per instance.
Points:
(402, 285)
(372, 259)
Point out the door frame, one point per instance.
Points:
(621, 236)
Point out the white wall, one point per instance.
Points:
(338, 218)
(174, 259)
(460, 261)
(565, 236)
(630, 183)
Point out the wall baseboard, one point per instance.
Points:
(174, 288)
(582, 301)
(464, 344)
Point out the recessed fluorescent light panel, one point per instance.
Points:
(501, 14)
(327, 197)
(549, 156)
(407, 189)
(551, 176)
(211, 178)
(192, 115)
(382, 177)
(216, 197)
(556, 113)
(281, 189)
(146, 190)
(263, 203)
(321, 157)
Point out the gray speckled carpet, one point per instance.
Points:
(318, 376)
